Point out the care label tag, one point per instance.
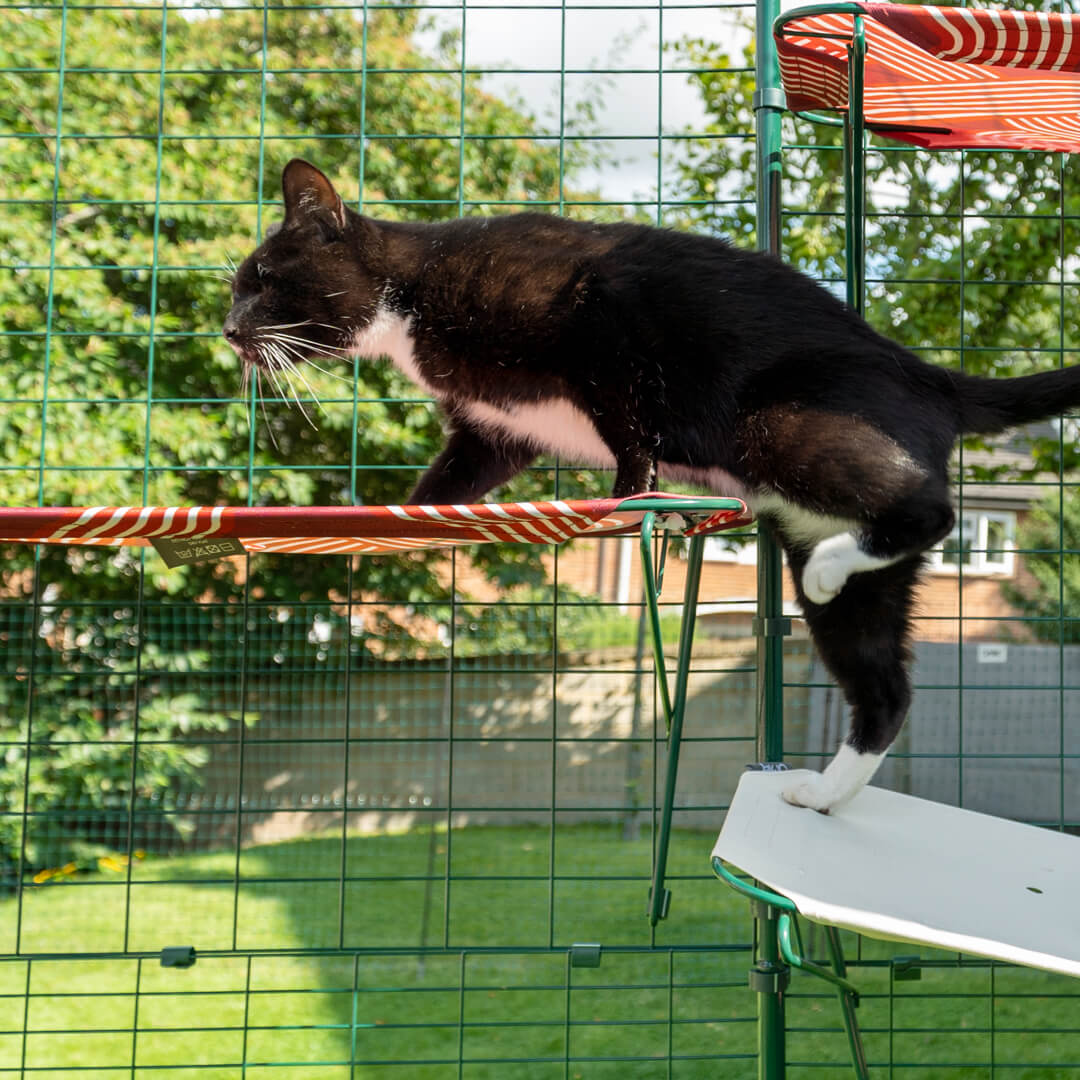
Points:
(185, 552)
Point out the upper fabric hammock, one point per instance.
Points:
(371, 530)
(945, 77)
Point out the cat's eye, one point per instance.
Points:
(261, 271)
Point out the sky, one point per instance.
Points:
(613, 53)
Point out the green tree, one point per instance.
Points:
(126, 194)
(1049, 537)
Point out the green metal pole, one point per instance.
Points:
(768, 108)
(855, 175)
(847, 1006)
(769, 976)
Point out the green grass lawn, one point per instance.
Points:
(496, 1000)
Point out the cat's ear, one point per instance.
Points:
(309, 196)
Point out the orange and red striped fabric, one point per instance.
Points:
(329, 530)
(945, 77)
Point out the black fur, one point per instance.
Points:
(686, 355)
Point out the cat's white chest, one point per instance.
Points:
(554, 425)
(390, 334)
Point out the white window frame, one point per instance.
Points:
(983, 562)
(724, 550)
(719, 549)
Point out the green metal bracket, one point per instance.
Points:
(673, 704)
(787, 929)
(779, 940)
(788, 935)
(754, 892)
(854, 125)
(780, 23)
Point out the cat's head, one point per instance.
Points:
(311, 284)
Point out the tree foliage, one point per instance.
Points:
(1049, 538)
(127, 192)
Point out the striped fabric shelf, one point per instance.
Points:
(370, 530)
(943, 77)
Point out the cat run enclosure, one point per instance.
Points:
(395, 805)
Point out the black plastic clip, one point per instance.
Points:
(906, 968)
(178, 956)
(780, 627)
(766, 978)
(583, 955)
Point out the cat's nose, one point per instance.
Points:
(230, 331)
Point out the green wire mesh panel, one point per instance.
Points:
(394, 804)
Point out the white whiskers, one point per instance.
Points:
(280, 355)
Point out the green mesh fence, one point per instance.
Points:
(393, 803)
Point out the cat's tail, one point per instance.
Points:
(987, 406)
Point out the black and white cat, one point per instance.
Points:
(656, 351)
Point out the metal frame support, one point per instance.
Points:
(674, 706)
(769, 974)
(788, 938)
(774, 922)
(778, 944)
(855, 171)
(769, 977)
(769, 103)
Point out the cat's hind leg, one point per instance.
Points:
(862, 637)
(905, 529)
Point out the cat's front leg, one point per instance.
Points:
(472, 463)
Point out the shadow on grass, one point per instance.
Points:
(497, 908)
(441, 955)
(345, 989)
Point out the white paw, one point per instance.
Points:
(810, 791)
(824, 576)
(847, 774)
(832, 562)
